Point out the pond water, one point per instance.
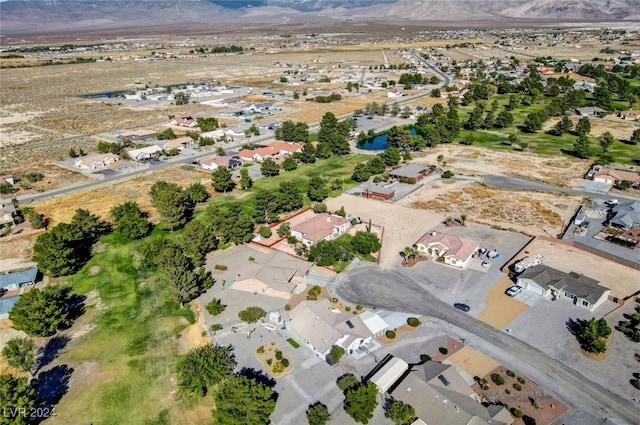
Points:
(378, 143)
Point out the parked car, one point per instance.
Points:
(486, 264)
(514, 290)
(462, 307)
(611, 202)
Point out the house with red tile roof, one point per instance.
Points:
(182, 121)
(272, 151)
(320, 227)
(614, 177)
(629, 115)
(455, 250)
(213, 163)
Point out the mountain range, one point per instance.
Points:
(104, 16)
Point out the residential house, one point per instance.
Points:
(614, 177)
(179, 143)
(258, 107)
(439, 395)
(455, 250)
(145, 154)
(585, 85)
(275, 274)
(189, 122)
(230, 162)
(379, 191)
(626, 215)
(320, 227)
(629, 115)
(16, 279)
(590, 111)
(136, 135)
(7, 212)
(97, 161)
(549, 282)
(321, 327)
(272, 151)
(267, 124)
(410, 173)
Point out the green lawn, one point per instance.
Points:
(124, 364)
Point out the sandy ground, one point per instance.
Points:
(473, 362)
(403, 226)
(622, 280)
(194, 335)
(501, 309)
(101, 199)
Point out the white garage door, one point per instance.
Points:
(536, 289)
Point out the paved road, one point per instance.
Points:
(445, 78)
(405, 290)
(521, 183)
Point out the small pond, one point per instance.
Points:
(378, 143)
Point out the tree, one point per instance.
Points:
(635, 137)
(203, 367)
(361, 172)
(19, 354)
(172, 203)
(251, 314)
(245, 181)
(61, 251)
(337, 352)
(583, 127)
(207, 124)
(197, 241)
(215, 307)
(90, 225)
(41, 312)
(602, 97)
(177, 270)
(365, 243)
(17, 400)
(181, 98)
(401, 413)
(221, 180)
(606, 140)
(283, 229)
(563, 126)
(266, 206)
(307, 154)
(196, 192)
(347, 381)
(390, 156)
(318, 414)
(317, 191)
(269, 168)
(376, 165)
(503, 120)
(533, 122)
(243, 400)
(289, 196)
(130, 221)
(73, 153)
(582, 147)
(289, 164)
(593, 334)
(361, 401)
(36, 219)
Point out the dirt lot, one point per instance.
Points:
(100, 200)
(501, 309)
(622, 280)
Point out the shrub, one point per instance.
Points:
(293, 343)
(260, 349)
(425, 358)
(443, 350)
(292, 240)
(269, 361)
(278, 355)
(265, 232)
(347, 308)
(413, 322)
(507, 391)
(319, 208)
(287, 307)
(390, 334)
(528, 420)
(251, 258)
(447, 174)
(522, 380)
(285, 362)
(485, 387)
(497, 379)
(216, 327)
(278, 367)
(358, 307)
(517, 387)
(284, 229)
(347, 381)
(252, 314)
(215, 307)
(511, 373)
(337, 352)
(517, 413)
(220, 267)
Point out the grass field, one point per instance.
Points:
(122, 368)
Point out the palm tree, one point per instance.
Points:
(463, 218)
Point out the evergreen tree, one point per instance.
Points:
(197, 241)
(361, 172)
(266, 206)
(203, 367)
(317, 191)
(41, 312)
(635, 137)
(242, 400)
(606, 140)
(289, 197)
(308, 154)
(583, 127)
(563, 126)
(318, 414)
(221, 180)
(401, 413)
(269, 168)
(361, 401)
(130, 221)
(90, 225)
(17, 400)
(289, 164)
(19, 354)
(582, 147)
(61, 251)
(173, 205)
(245, 180)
